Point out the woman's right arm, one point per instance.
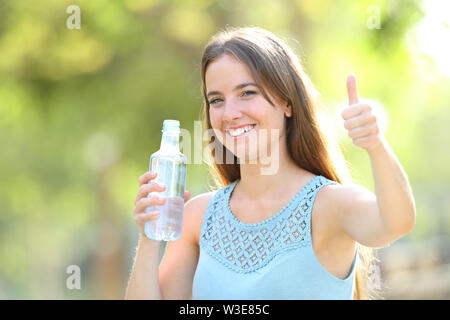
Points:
(172, 279)
(143, 283)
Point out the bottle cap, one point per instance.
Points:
(171, 125)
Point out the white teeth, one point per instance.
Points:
(240, 131)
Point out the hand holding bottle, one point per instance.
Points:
(144, 201)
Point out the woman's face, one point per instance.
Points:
(242, 119)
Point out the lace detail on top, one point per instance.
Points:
(245, 247)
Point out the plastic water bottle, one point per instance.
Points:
(170, 164)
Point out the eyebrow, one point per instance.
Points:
(238, 87)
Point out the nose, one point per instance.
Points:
(232, 112)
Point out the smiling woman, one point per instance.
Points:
(300, 232)
(282, 100)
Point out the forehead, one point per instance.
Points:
(226, 71)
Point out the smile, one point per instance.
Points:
(240, 131)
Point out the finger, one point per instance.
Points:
(351, 89)
(355, 110)
(151, 201)
(146, 177)
(144, 217)
(187, 195)
(363, 131)
(358, 119)
(147, 188)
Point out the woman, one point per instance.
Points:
(298, 232)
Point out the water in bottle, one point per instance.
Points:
(170, 164)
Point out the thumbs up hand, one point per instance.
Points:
(361, 123)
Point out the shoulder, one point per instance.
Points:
(201, 199)
(194, 210)
(345, 196)
(336, 202)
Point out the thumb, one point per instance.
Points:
(351, 89)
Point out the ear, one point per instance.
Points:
(288, 111)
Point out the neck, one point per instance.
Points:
(255, 185)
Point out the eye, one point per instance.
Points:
(214, 101)
(248, 93)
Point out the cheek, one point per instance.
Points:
(215, 118)
(269, 118)
(260, 108)
(216, 123)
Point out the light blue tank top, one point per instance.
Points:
(272, 259)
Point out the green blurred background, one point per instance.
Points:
(81, 111)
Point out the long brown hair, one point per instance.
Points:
(276, 68)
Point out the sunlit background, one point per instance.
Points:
(81, 111)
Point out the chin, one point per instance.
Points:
(247, 156)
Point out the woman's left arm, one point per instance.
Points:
(392, 212)
(393, 191)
